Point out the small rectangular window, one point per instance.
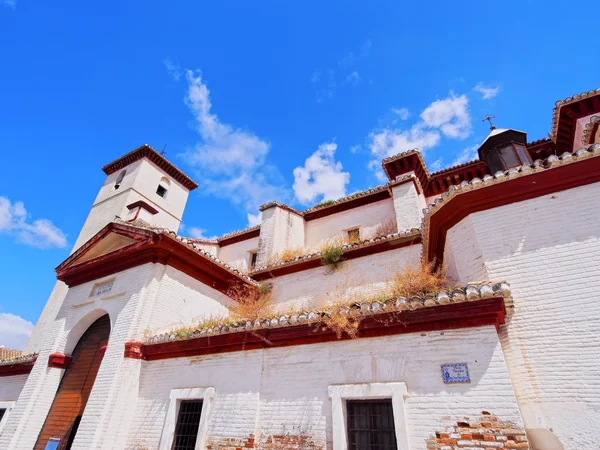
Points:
(102, 288)
(188, 422)
(353, 235)
(161, 190)
(2, 412)
(371, 425)
(253, 258)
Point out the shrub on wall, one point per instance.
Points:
(420, 280)
(332, 256)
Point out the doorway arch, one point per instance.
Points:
(75, 387)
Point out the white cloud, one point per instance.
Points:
(352, 78)
(14, 331)
(173, 69)
(487, 92)
(435, 166)
(466, 155)
(198, 233)
(355, 149)
(327, 80)
(41, 233)
(254, 219)
(231, 161)
(316, 76)
(10, 3)
(387, 142)
(450, 115)
(402, 113)
(321, 175)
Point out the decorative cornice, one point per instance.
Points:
(145, 151)
(475, 305)
(152, 246)
(517, 184)
(133, 350)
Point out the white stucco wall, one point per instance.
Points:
(367, 217)
(238, 255)
(548, 249)
(356, 277)
(285, 390)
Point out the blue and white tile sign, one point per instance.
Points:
(456, 373)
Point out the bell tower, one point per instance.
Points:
(141, 185)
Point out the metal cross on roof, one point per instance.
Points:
(489, 119)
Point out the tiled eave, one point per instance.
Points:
(566, 114)
(145, 151)
(20, 365)
(476, 305)
(351, 251)
(551, 175)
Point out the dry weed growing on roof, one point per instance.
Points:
(250, 304)
(420, 280)
(388, 226)
(292, 253)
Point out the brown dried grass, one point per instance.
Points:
(250, 304)
(388, 226)
(292, 253)
(338, 320)
(420, 280)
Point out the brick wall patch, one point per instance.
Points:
(485, 432)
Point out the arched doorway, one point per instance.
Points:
(74, 390)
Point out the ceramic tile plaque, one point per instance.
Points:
(456, 373)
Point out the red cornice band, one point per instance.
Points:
(59, 360)
(443, 317)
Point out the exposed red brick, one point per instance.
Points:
(477, 433)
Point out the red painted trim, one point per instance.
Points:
(444, 317)
(133, 350)
(149, 248)
(526, 187)
(59, 360)
(243, 236)
(143, 204)
(18, 368)
(145, 151)
(351, 253)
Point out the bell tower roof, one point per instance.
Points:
(145, 151)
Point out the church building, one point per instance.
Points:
(458, 309)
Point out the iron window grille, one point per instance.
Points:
(370, 425)
(188, 422)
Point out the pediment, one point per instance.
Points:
(108, 241)
(112, 242)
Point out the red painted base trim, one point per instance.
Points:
(444, 317)
(19, 368)
(141, 203)
(59, 360)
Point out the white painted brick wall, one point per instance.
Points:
(356, 277)
(548, 249)
(408, 206)
(281, 390)
(367, 217)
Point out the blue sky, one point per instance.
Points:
(256, 101)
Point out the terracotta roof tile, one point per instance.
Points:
(470, 293)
